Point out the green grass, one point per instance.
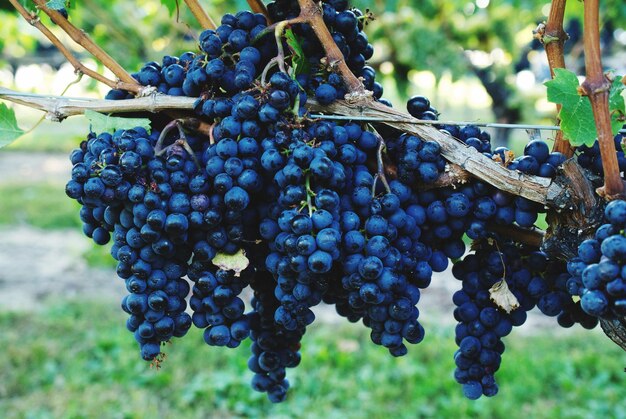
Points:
(41, 205)
(77, 360)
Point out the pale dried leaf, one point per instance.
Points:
(236, 262)
(502, 296)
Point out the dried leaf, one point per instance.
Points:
(502, 296)
(509, 157)
(236, 262)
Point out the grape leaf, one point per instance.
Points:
(105, 123)
(9, 131)
(28, 4)
(56, 4)
(576, 115)
(171, 5)
(236, 262)
(300, 63)
(616, 105)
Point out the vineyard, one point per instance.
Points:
(244, 183)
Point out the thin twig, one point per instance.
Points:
(79, 68)
(85, 41)
(200, 14)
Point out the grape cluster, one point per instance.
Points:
(142, 199)
(217, 307)
(596, 274)
(345, 213)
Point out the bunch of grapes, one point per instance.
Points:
(596, 275)
(347, 213)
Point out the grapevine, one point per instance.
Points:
(247, 178)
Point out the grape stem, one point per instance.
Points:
(81, 38)
(200, 14)
(79, 68)
(380, 166)
(553, 37)
(158, 148)
(183, 142)
(596, 86)
(278, 29)
(278, 35)
(309, 193)
(271, 63)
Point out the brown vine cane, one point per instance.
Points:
(596, 86)
(553, 37)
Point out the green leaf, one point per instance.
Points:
(576, 114)
(616, 105)
(236, 262)
(105, 123)
(56, 4)
(300, 63)
(9, 131)
(28, 4)
(171, 5)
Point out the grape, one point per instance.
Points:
(318, 218)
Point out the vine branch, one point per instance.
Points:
(58, 107)
(86, 42)
(535, 188)
(531, 237)
(553, 37)
(200, 14)
(596, 86)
